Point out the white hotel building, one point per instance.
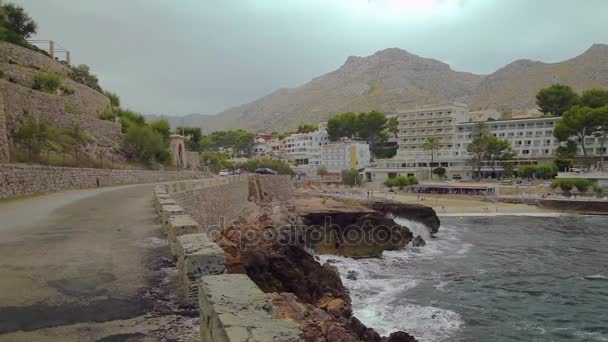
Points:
(531, 139)
(310, 151)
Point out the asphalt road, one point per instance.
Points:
(77, 266)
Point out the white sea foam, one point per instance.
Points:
(379, 293)
(596, 277)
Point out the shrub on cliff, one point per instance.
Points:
(47, 82)
(39, 138)
(114, 99)
(82, 74)
(147, 144)
(16, 26)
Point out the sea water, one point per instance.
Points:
(490, 278)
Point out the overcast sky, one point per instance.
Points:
(202, 56)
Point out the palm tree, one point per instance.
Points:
(432, 144)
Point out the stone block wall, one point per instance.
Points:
(52, 109)
(18, 68)
(21, 179)
(14, 54)
(213, 204)
(234, 309)
(21, 65)
(279, 187)
(4, 151)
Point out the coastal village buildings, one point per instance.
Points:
(305, 148)
(531, 139)
(345, 156)
(310, 151)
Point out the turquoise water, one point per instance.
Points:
(506, 278)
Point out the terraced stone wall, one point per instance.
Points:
(21, 179)
(4, 152)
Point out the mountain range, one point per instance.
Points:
(394, 79)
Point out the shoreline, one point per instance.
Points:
(450, 206)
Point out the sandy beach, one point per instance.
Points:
(451, 205)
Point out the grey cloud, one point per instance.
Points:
(185, 56)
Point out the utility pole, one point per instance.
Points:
(52, 49)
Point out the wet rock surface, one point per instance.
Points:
(415, 212)
(354, 231)
(303, 290)
(418, 242)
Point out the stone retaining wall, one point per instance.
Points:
(82, 106)
(21, 101)
(279, 187)
(232, 308)
(4, 152)
(22, 179)
(214, 203)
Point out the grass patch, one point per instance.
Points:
(48, 82)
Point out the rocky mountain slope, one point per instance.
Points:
(394, 79)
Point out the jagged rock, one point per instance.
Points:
(418, 242)
(305, 291)
(401, 336)
(352, 275)
(355, 234)
(415, 212)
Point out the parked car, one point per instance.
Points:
(525, 183)
(546, 184)
(224, 173)
(265, 171)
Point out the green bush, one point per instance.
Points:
(545, 171)
(67, 91)
(147, 144)
(70, 109)
(526, 171)
(413, 180)
(563, 164)
(41, 137)
(215, 161)
(108, 114)
(598, 189)
(440, 171)
(47, 82)
(82, 74)
(582, 185)
(276, 165)
(567, 184)
(351, 177)
(390, 182)
(322, 171)
(114, 99)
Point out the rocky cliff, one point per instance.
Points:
(394, 79)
